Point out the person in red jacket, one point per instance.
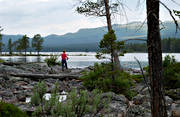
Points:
(64, 58)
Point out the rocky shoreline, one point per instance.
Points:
(18, 79)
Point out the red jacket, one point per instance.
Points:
(64, 56)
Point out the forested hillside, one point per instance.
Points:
(88, 39)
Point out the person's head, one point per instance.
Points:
(64, 51)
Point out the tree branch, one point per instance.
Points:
(170, 12)
(142, 72)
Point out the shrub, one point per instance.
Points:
(168, 60)
(52, 61)
(101, 78)
(76, 105)
(38, 92)
(1, 61)
(9, 110)
(171, 75)
(82, 104)
(138, 78)
(171, 72)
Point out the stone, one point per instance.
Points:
(118, 103)
(20, 83)
(145, 91)
(140, 99)
(138, 111)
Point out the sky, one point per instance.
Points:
(59, 16)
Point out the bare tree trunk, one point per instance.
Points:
(158, 106)
(108, 17)
(25, 52)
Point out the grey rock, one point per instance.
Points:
(10, 69)
(145, 91)
(138, 111)
(118, 103)
(140, 99)
(169, 101)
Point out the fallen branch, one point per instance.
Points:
(142, 72)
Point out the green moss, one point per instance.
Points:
(9, 110)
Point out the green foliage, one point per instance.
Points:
(52, 60)
(96, 8)
(9, 110)
(76, 105)
(109, 44)
(168, 45)
(136, 47)
(137, 78)
(22, 44)
(38, 93)
(79, 106)
(171, 72)
(168, 60)
(101, 78)
(37, 42)
(1, 61)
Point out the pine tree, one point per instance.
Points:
(102, 8)
(37, 42)
(24, 43)
(10, 45)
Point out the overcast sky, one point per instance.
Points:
(59, 17)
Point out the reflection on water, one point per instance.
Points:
(73, 62)
(76, 60)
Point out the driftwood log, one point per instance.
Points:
(44, 76)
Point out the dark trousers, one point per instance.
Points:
(64, 62)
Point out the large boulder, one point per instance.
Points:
(118, 104)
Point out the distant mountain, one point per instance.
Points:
(88, 39)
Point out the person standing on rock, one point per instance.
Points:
(64, 58)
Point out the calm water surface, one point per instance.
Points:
(85, 59)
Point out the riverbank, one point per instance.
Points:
(18, 79)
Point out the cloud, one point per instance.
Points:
(56, 16)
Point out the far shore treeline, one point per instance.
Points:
(168, 45)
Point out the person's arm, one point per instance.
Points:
(67, 57)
